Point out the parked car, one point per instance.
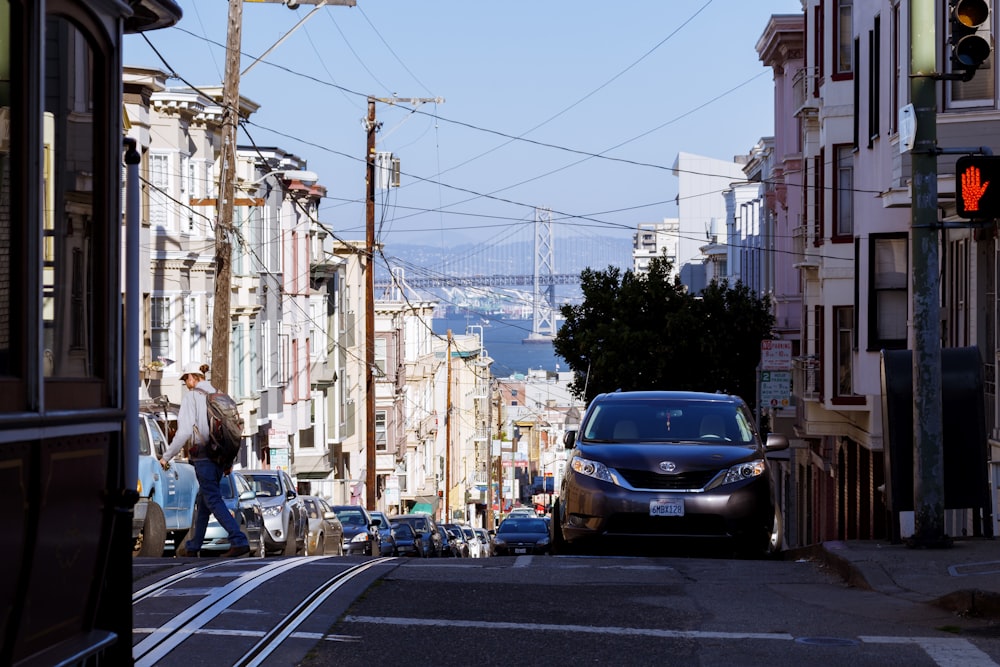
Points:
(486, 540)
(522, 511)
(449, 546)
(285, 520)
(521, 535)
(475, 544)
(326, 534)
(407, 542)
(427, 529)
(456, 537)
(666, 464)
(388, 540)
(165, 509)
(244, 506)
(361, 536)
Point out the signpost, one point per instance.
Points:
(775, 386)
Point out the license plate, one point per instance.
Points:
(666, 507)
(520, 551)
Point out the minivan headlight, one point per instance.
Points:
(746, 470)
(594, 469)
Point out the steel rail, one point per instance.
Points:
(157, 646)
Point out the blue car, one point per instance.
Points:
(408, 543)
(361, 536)
(385, 533)
(165, 510)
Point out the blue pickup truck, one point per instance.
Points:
(166, 497)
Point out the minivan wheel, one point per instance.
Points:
(557, 541)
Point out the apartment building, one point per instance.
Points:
(841, 181)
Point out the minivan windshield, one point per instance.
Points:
(670, 420)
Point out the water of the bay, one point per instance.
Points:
(502, 339)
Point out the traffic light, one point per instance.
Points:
(969, 21)
(977, 186)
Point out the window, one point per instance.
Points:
(843, 200)
(159, 180)
(72, 219)
(195, 332)
(159, 326)
(381, 439)
(381, 352)
(843, 341)
(12, 354)
(888, 301)
(844, 31)
(874, 79)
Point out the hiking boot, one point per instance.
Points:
(182, 552)
(235, 552)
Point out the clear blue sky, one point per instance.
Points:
(534, 91)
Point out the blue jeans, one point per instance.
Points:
(210, 501)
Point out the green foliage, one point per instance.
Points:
(645, 331)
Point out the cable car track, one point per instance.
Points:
(157, 646)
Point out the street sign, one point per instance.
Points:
(776, 355)
(775, 388)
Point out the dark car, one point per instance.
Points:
(456, 536)
(427, 529)
(451, 547)
(361, 536)
(385, 534)
(242, 503)
(407, 542)
(521, 535)
(326, 535)
(285, 521)
(660, 464)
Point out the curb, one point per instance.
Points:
(871, 577)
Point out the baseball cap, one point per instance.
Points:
(192, 367)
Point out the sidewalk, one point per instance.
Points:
(964, 578)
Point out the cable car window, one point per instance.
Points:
(9, 350)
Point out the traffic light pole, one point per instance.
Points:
(928, 432)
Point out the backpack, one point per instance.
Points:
(225, 428)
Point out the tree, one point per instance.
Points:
(646, 331)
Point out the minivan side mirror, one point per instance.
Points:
(569, 438)
(776, 442)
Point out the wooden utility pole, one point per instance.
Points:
(371, 127)
(221, 318)
(447, 439)
(369, 260)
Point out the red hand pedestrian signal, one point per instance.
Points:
(972, 188)
(976, 195)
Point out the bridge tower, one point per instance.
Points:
(543, 303)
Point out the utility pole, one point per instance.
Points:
(928, 432)
(371, 127)
(224, 204)
(447, 440)
(221, 320)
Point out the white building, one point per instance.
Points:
(701, 212)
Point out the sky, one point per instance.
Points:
(576, 107)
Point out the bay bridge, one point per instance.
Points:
(497, 264)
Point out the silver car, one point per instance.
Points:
(242, 503)
(286, 521)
